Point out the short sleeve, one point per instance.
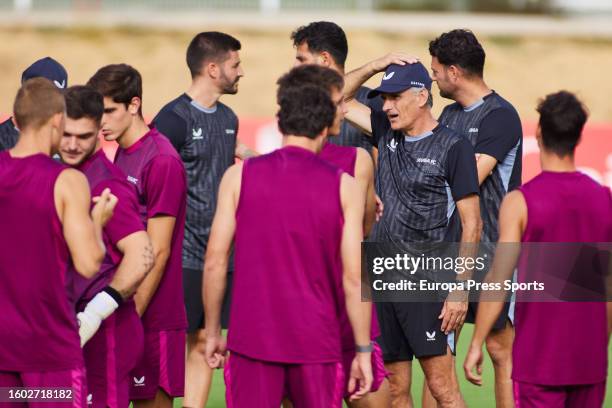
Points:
(380, 125)
(126, 219)
(461, 172)
(171, 125)
(164, 186)
(499, 132)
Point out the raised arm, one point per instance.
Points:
(354, 79)
(359, 114)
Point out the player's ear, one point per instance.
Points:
(423, 96)
(325, 59)
(538, 136)
(57, 121)
(453, 72)
(212, 69)
(134, 106)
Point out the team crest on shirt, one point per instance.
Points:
(392, 145)
(132, 180)
(139, 382)
(197, 134)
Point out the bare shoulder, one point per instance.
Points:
(514, 201)
(71, 180)
(363, 161)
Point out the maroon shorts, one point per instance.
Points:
(110, 355)
(162, 365)
(260, 384)
(378, 368)
(73, 381)
(528, 395)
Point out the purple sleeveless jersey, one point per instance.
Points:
(286, 304)
(154, 167)
(345, 158)
(101, 174)
(38, 329)
(563, 343)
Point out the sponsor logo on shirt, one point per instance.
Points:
(89, 399)
(132, 180)
(139, 382)
(473, 130)
(230, 131)
(388, 76)
(197, 134)
(426, 160)
(431, 336)
(392, 145)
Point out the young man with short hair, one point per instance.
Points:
(47, 224)
(295, 220)
(494, 128)
(203, 130)
(110, 328)
(357, 163)
(570, 367)
(324, 43)
(153, 166)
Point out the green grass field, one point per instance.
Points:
(475, 396)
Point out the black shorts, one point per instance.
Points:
(192, 290)
(411, 329)
(500, 323)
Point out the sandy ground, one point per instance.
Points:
(519, 68)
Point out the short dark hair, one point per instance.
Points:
(83, 101)
(460, 48)
(562, 117)
(36, 102)
(326, 78)
(121, 82)
(306, 108)
(323, 36)
(209, 46)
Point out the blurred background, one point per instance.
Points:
(534, 47)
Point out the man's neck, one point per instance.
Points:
(33, 142)
(424, 123)
(134, 133)
(471, 93)
(203, 92)
(555, 163)
(314, 145)
(337, 68)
